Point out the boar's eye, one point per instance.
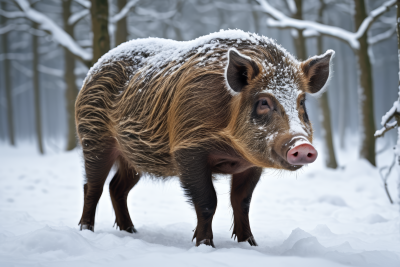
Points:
(264, 105)
(302, 102)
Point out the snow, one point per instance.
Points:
(56, 31)
(316, 217)
(172, 50)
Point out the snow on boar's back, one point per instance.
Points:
(230, 102)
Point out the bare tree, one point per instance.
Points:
(365, 88)
(325, 119)
(7, 78)
(101, 38)
(36, 89)
(394, 112)
(121, 33)
(71, 91)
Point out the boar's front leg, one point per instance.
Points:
(242, 188)
(196, 180)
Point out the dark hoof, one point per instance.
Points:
(131, 229)
(207, 242)
(252, 241)
(87, 227)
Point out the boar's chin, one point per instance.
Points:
(281, 162)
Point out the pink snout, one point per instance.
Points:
(302, 154)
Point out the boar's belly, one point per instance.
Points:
(227, 163)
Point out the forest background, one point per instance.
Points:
(47, 47)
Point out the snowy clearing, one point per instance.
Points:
(318, 217)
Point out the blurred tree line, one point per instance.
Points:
(47, 47)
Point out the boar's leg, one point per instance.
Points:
(242, 188)
(99, 159)
(123, 181)
(196, 180)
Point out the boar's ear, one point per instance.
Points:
(317, 71)
(240, 70)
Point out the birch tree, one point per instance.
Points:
(359, 43)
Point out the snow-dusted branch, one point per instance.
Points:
(394, 112)
(58, 34)
(382, 36)
(373, 15)
(76, 17)
(154, 14)
(12, 14)
(280, 20)
(84, 3)
(124, 11)
(16, 56)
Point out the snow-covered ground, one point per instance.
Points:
(317, 217)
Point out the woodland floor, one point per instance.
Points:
(316, 217)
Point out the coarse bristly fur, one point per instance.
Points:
(165, 108)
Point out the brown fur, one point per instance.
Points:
(183, 121)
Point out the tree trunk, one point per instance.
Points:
(177, 29)
(365, 90)
(300, 41)
(323, 102)
(343, 88)
(121, 33)
(398, 56)
(36, 90)
(101, 38)
(255, 17)
(7, 80)
(71, 91)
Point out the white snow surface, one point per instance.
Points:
(316, 217)
(162, 51)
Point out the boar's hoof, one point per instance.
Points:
(131, 229)
(87, 227)
(252, 241)
(207, 242)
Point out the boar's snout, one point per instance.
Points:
(302, 154)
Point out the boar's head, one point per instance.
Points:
(269, 115)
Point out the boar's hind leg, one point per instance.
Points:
(196, 180)
(242, 188)
(123, 181)
(99, 158)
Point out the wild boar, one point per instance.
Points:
(230, 102)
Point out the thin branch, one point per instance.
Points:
(373, 15)
(280, 20)
(386, 128)
(385, 177)
(154, 14)
(382, 36)
(16, 56)
(76, 17)
(124, 11)
(58, 34)
(12, 14)
(85, 3)
(51, 71)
